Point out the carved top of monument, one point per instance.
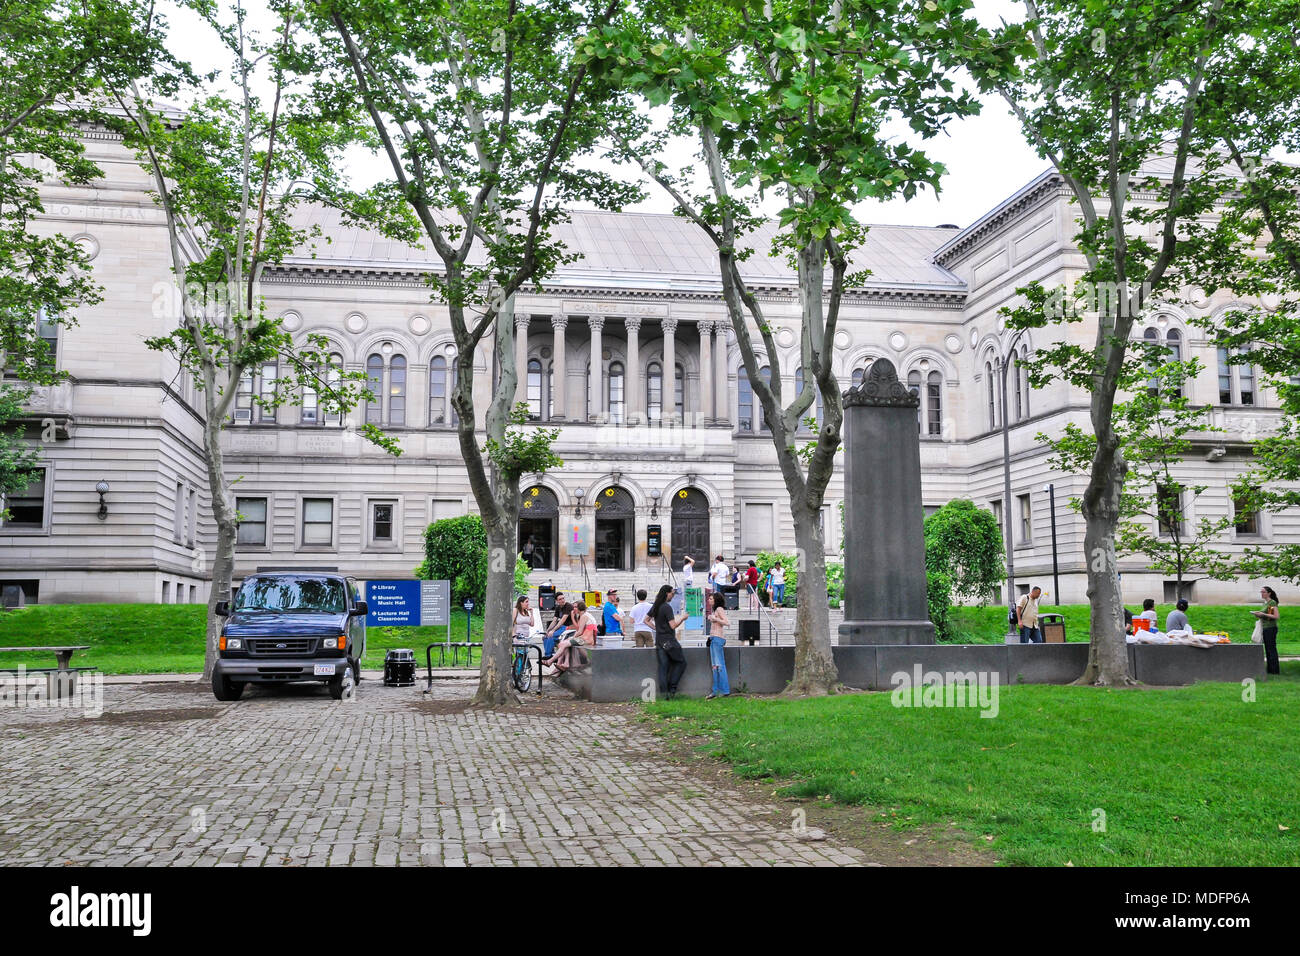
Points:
(881, 387)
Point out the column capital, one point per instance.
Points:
(632, 323)
(521, 321)
(596, 322)
(669, 324)
(559, 321)
(706, 326)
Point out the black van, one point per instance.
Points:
(288, 627)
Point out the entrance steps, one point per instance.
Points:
(776, 624)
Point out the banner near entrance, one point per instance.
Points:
(407, 603)
(694, 609)
(578, 543)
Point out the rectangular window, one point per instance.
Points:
(47, 330)
(194, 594)
(267, 392)
(1026, 519)
(318, 521)
(756, 527)
(26, 506)
(167, 592)
(381, 522)
(252, 521)
(192, 517)
(441, 508)
(310, 406)
(178, 513)
(1246, 383)
(997, 512)
(244, 398)
(1245, 520)
(1169, 509)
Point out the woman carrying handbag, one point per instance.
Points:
(1266, 629)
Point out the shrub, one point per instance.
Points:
(964, 543)
(455, 550)
(938, 592)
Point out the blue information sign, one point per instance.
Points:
(393, 603)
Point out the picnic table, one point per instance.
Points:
(62, 652)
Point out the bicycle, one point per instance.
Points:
(520, 671)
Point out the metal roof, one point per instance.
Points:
(655, 250)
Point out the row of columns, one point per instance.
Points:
(715, 400)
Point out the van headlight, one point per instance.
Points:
(233, 643)
(334, 643)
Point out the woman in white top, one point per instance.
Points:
(688, 571)
(523, 620)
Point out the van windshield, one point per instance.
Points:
(303, 595)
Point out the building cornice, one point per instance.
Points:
(1046, 188)
(379, 277)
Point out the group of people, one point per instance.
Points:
(720, 575)
(652, 624)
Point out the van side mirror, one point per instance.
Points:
(222, 609)
(359, 609)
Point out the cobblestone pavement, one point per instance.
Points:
(290, 777)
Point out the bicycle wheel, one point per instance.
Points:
(523, 674)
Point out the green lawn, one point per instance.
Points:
(167, 638)
(988, 625)
(1187, 776)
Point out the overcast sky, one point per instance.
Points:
(986, 156)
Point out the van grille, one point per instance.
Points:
(281, 646)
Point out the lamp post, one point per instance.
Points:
(1003, 369)
(101, 487)
(1056, 579)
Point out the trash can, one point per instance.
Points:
(749, 631)
(731, 595)
(546, 597)
(1053, 627)
(399, 667)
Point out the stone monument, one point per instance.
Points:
(884, 544)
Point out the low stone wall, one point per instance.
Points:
(621, 673)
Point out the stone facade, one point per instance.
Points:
(645, 298)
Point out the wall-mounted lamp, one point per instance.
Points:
(654, 503)
(102, 488)
(578, 493)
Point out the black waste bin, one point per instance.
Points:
(731, 595)
(749, 631)
(399, 667)
(546, 597)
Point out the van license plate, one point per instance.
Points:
(324, 670)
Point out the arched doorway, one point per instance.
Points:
(539, 514)
(614, 529)
(690, 533)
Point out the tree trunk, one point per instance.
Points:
(495, 687)
(814, 663)
(223, 562)
(1108, 651)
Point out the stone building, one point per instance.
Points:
(627, 351)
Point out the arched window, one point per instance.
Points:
(316, 412)
(1014, 373)
(934, 404)
(534, 386)
(914, 386)
(654, 392)
(744, 402)
(989, 375)
(375, 384)
(550, 390)
(244, 398)
(397, 390)
(617, 403)
(1152, 337)
(765, 373)
(1022, 382)
(679, 392)
(439, 393)
(860, 374)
